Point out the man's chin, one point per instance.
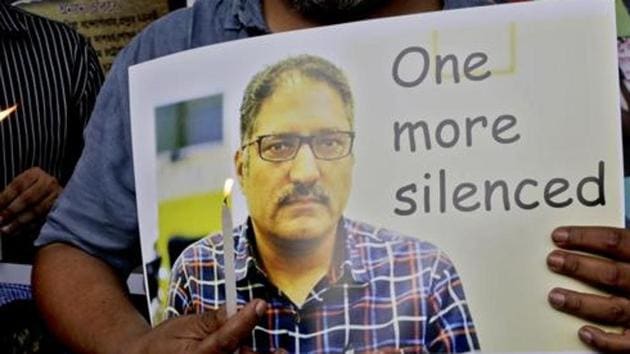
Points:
(304, 231)
(300, 240)
(306, 227)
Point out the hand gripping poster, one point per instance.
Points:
(387, 185)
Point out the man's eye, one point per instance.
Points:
(329, 142)
(278, 146)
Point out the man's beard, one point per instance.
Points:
(335, 11)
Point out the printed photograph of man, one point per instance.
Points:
(332, 284)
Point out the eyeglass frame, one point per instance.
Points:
(308, 139)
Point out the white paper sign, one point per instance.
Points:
(478, 130)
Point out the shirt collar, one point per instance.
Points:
(350, 266)
(10, 22)
(245, 14)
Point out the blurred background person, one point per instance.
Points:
(49, 80)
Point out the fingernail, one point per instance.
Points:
(555, 261)
(586, 336)
(613, 240)
(261, 308)
(560, 235)
(557, 299)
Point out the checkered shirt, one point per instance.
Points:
(10, 292)
(388, 292)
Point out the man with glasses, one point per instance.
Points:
(332, 284)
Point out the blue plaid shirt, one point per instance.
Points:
(12, 292)
(387, 292)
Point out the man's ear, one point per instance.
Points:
(239, 164)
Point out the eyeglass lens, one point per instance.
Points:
(284, 147)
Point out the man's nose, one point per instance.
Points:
(304, 168)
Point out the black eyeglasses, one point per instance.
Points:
(284, 147)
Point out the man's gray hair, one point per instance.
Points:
(265, 82)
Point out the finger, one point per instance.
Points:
(33, 195)
(596, 271)
(609, 310)
(210, 322)
(11, 229)
(30, 219)
(43, 207)
(604, 341)
(238, 327)
(194, 327)
(23, 230)
(15, 188)
(23, 220)
(607, 241)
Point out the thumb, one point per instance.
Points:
(238, 327)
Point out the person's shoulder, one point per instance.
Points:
(54, 32)
(209, 249)
(180, 30)
(383, 252)
(367, 235)
(206, 249)
(167, 35)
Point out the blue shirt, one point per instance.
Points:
(97, 211)
(384, 292)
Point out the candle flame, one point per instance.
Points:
(227, 187)
(7, 112)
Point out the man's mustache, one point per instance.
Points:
(300, 191)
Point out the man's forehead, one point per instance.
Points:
(298, 86)
(301, 105)
(295, 78)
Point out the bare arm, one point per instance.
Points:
(85, 304)
(83, 301)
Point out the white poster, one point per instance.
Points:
(407, 172)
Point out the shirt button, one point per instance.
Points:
(297, 318)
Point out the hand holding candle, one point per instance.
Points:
(26, 200)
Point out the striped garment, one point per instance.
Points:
(386, 292)
(53, 76)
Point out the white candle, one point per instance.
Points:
(228, 250)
